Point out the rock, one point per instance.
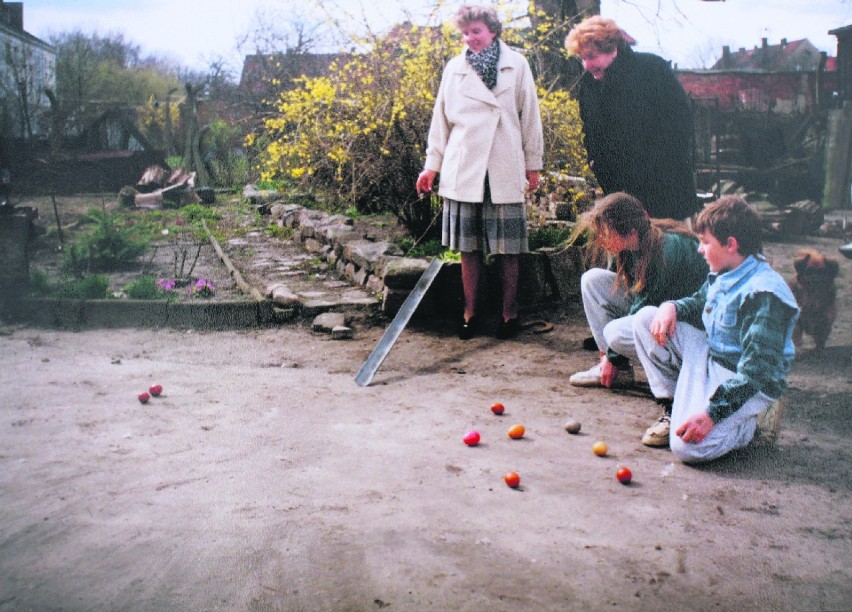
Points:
(392, 300)
(327, 321)
(374, 284)
(281, 294)
(286, 214)
(403, 272)
(567, 267)
(341, 332)
(256, 196)
(363, 253)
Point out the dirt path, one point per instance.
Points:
(264, 478)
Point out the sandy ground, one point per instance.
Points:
(264, 478)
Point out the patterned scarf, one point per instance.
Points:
(485, 63)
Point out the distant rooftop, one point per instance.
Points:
(794, 56)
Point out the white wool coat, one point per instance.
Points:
(476, 130)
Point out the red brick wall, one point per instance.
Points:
(784, 92)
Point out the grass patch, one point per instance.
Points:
(549, 236)
(94, 287)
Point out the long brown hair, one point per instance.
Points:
(622, 213)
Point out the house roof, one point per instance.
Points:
(842, 31)
(12, 24)
(794, 56)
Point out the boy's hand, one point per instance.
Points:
(696, 428)
(663, 324)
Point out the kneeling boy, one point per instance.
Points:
(722, 353)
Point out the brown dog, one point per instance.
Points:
(816, 294)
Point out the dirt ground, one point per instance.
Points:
(264, 478)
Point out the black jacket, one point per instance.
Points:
(639, 133)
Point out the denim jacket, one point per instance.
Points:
(749, 314)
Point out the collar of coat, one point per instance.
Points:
(473, 87)
(622, 64)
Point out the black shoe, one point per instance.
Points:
(467, 328)
(589, 344)
(508, 329)
(665, 403)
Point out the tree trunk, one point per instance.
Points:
(558, 71)
(192, 151)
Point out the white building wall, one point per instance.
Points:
(25, 57)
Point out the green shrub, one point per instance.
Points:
(40, 283)
(223, 151)
(144, 288)
(86, 288)
(111, 244)
(430, 248)
(549, 236)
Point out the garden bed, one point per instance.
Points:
(176, 266)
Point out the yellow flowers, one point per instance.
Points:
(359, 132)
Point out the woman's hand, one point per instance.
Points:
(608, 372)
(533, 177)
(425, 181)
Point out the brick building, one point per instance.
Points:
(789, 77)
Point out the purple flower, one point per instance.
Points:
(165, 284)
(202, 288)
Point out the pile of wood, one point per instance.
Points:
(802, 218)
(158, 188)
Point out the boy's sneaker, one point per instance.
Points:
(657, 435)
(592, 378)
(769, 422)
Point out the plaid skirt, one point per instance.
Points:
(499, 229)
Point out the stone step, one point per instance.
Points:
(294, 278)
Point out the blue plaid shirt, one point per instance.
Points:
(749, 314)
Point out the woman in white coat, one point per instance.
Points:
(486, 143)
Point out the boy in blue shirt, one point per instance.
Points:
(722, 354)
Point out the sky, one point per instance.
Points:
(691, 33)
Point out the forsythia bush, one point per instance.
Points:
(360, 132)
(564, 152)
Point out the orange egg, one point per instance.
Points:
(516, 431)
(512, 479)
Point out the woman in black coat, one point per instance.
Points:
(637, 121)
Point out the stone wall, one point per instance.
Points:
(547, 275)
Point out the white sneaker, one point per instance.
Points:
(657, 435)
(592, 378)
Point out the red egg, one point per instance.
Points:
(513, 479)
(471, 438)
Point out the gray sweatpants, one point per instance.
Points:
(682, 370)
(606, 307)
